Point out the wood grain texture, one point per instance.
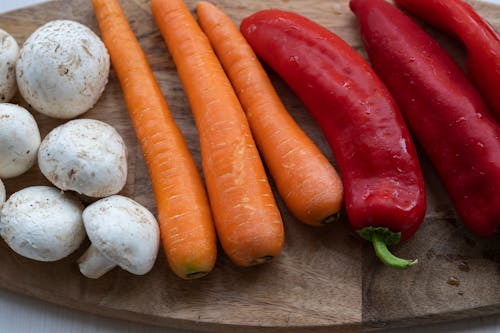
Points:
(325, 280)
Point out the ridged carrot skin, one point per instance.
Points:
(186, 224)
(247, 219)
(306, 180)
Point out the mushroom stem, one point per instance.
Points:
(93, 264)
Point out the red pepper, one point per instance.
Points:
(384, 187)
(480, 39)
(442, 108)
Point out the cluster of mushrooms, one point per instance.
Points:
(61, 71)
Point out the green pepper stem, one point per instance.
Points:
(386, 256)
(381, 237)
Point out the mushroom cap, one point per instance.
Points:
(2, 194)
(42, 223)
(62, 69)
(84, 155)
(9, 52)
(124, 232)
(19, 140)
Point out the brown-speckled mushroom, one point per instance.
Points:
(42, 223)
(87, 156)
(2, 194)
(123, 233)
(9, 52)
(62, 69)
(19, 140)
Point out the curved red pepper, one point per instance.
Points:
(442, 108)
(384, 188)
(481, 40)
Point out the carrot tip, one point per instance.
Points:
(330, 219)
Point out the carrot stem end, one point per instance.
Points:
(195, 275)
(331, 219)
(262, 260)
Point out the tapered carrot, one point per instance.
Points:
(186, 224)
(307, 182)
(246, 216)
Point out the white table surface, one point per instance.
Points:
(21, 314)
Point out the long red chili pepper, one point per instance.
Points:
(384, 188)
(481, 40)
(442, 108)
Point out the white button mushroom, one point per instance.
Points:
(122, 233)
(42, 223)
(84, 155)
(19, 140)
(63, 68)
(9, 52)
(2, 194)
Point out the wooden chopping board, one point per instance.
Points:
(325, 280)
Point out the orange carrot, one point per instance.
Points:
(186, 225)
(306, 180)
(246, 216)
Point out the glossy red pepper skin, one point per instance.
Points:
(375, 154)
(480, 39)
(443, 110)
